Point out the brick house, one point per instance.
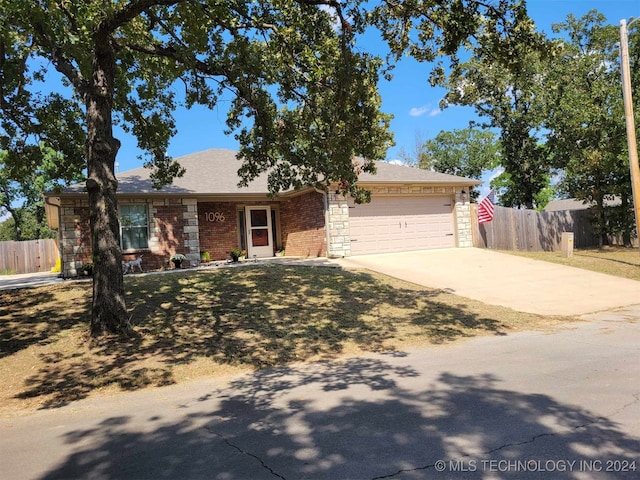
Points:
(205, 211)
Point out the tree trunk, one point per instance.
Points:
(601, 220)
(108, 311)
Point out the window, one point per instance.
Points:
(134, 227)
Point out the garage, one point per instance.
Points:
(401, 224)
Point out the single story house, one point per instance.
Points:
(206, 211)
(558, 205)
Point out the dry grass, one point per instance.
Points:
(221, 322)
(618, 261)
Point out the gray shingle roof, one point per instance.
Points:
(214, 171)
(390, 173)
(575, 204)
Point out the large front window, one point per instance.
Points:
(134, 227)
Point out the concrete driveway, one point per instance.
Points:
(500, 279)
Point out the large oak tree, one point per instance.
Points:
(585, 120)
(468, 152)
(304, 97)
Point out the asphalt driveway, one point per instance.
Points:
(496, 278)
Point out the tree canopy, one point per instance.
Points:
(465, 152)
(304, 93)
(585, 120)
(508, 97)
(559, 115)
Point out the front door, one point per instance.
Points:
(259, 237)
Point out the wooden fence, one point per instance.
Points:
(30, 256)
(530, 230)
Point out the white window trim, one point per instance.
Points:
(146, 206)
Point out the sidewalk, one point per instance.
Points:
(26, 280)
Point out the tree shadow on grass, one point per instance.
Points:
(31, 316)
(358, 419)
(253, 317)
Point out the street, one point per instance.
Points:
(563, 404)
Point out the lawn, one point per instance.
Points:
(221, 322)
(618, 261)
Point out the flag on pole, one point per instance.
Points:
(485, 208)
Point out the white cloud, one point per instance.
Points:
(424, 110)
(496, 173)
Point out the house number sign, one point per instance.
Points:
(214, 216)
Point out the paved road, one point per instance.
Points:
(26, 280)
(531, 405)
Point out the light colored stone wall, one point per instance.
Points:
(75, 239)
(463, 219)
(191, 236)
(339, 240)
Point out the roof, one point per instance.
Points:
(215, 171)
(575, 204)
(391, 173)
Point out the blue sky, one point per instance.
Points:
(414, 103)
(408, 97)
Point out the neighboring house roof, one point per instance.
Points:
(215, 171)
(575, 204)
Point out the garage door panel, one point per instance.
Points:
(396, 224)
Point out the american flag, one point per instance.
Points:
(485, 208)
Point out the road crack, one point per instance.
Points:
(501, 447)
(230, 444)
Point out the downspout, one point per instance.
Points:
(55, 206)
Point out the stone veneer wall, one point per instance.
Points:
(338, 226)
(74, 236)
(173, 229)
(463, 219)
(338, 215)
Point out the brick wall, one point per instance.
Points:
(218, 222)
(173, 228)
(302, 220)
(185, 226)
(167, 233)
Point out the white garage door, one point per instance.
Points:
(400, 224)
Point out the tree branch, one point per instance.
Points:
(176, 55)
(130, 11)
(62, 64)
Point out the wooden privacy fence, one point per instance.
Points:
(530, 230)
(30, 256)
